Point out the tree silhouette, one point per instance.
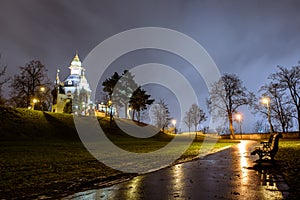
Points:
(281, 110)
(226, 96)
(139, 101)
(160, 115)
(197, 114)
(28, 83)
(109, 86)
(188, 120)
(124, 90)
(3, 80)
(289, 79)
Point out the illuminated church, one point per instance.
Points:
(72, 95)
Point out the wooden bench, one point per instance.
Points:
(268, 149)
(268, 143)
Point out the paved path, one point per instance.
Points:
(223, 175)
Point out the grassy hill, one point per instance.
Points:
(24, 124)
(42, 155)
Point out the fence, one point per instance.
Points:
(259, 136)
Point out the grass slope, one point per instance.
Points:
(24, 124)
(42, 155)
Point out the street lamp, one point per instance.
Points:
(239, 118)
(266, 101)
(34, 101)
(128, 112)
(174, 124)
(110, 111)
(42, 89)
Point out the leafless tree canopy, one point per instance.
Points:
(3, 79)
(289, 80)
(281, 110)
(160, 114)
(27, 84)
(226, 96)
(194, 116)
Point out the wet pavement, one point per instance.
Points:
(228, 174)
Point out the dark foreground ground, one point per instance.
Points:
(43, 157)
(229, 174)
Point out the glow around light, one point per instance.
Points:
(265, 100)
(239, 117)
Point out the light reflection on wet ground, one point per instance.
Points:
(225, 175)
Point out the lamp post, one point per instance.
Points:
(42, 89)
(174, 124)
(34, 101)
(128, 113)
(239, 118)
(266, 101)
(110, 111)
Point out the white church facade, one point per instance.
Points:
(72, 95)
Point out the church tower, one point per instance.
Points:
(75, 67)
(75, 89)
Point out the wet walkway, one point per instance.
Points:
(227, 174)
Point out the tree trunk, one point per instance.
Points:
(231, 125)
(139, 116)
(126, 109)
(133, 113)
(299, 122)
(283, 127)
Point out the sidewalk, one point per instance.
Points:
(228, 174)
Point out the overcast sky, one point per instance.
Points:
(249, 38)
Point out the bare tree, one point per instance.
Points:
(194, 116)
(260, 126)
(197, 114)
(281, 110)
(226, 96)
(188, 120)
(160, 115)
(3, 80)
(289, 79)
(27, 85)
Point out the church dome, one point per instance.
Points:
(75, 66)
(76, 61)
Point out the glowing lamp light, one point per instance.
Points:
(174, 122)
(265, 101)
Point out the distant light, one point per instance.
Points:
(265, 100)
(42, 89)
(174, 122)
(239, 117)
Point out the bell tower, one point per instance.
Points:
(75, 67)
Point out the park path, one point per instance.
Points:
(227, 174)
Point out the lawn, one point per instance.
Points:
(42, 155)
(36, 168)
(288, 158)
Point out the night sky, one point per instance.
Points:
(248, 38)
